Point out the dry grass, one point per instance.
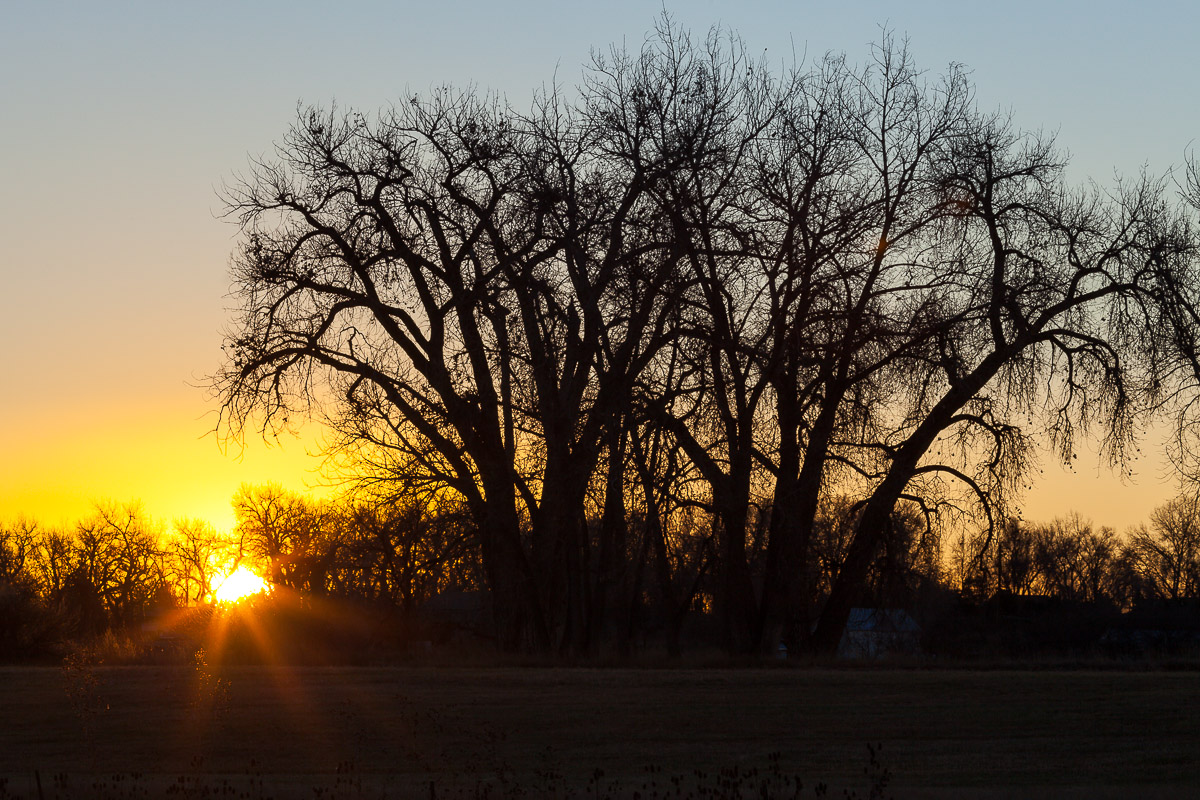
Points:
(944, 733)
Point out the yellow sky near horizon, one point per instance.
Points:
(167, 458)
(172, 463)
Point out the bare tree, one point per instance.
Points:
(474, 288)
(18, 556)
(1077, 301)
(116, 565)
(403, 550)
(823, 281)
(196, 553)
(1167, 553)
(700, 107)
(296, 538)
(851, 197)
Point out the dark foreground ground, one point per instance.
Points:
(412, 732)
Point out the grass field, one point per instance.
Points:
(372, 732)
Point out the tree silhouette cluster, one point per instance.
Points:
(1071, 560)
(118, 569)
(382, 560)
(648, 332)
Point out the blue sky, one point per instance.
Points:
(121, 120)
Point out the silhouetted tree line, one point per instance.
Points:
(118, 569)
(644, 335)
(1071, 560)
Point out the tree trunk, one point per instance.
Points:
(797, 496)
(610, 580)
(735, 601)
(516, 601)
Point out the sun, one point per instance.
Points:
(238, 584)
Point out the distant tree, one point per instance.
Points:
(1013, 563)
(1166, 553)
(53, 559)
(116, 567)
(27, 624)
(403, 550)
(195, 554)
(295, 538)
(1074, 561)
(18, 549)
(1067, 559)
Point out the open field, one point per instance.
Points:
(263, 732)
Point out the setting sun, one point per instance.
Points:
(239, 584)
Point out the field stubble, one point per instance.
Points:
(359, 731)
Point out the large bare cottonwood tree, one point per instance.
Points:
(789, 285)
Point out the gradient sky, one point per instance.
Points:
(121, 120)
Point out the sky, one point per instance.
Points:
(122, 120)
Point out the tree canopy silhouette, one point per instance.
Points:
(699, 282)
